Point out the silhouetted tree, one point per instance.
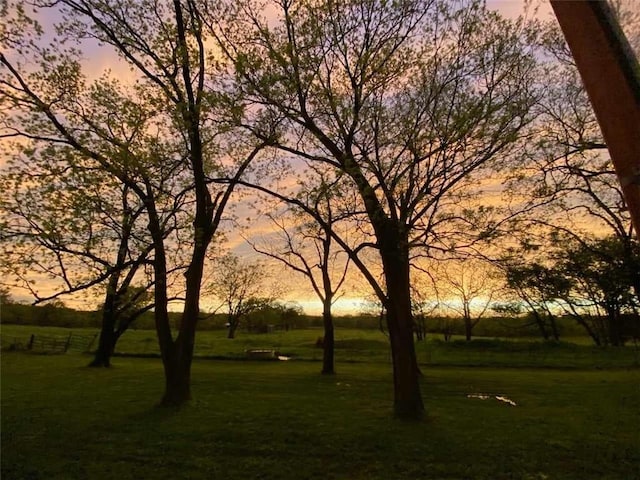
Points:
(602, 296)
(407, 100)
(538, 287)
(162, 135)
(471, 289)
(77, 227)
(308, 248)
(240, 286)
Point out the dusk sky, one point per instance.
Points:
(99, 60)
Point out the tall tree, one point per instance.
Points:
(406, 99)
(77, 228)
(5, 296)
(240, 286)
(171, 156)
(309, 249)
(602, 296)
(538, 287)
(471, 289)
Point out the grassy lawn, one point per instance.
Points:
(368, 346)
(282, 420)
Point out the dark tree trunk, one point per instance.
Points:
(393, 242)
(108, 335)
(614, 330)
(178, 380)
(106, 347)
(447, 329)
(420, 328)
(601, 326)
(541, 324)
(590, 331)
(328, 343)
(554, 326)
(177, 374)
(233, 326)
(406, 374)
(407, 398)
(177, 355)
(468, 321)
(468, 328)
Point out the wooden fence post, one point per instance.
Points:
(66, 345)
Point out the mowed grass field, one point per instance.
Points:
(370, 346)
(283, 420)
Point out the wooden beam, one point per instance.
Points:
(611, 77)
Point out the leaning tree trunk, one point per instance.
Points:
(234, 323)
(590, 331)
(554, 326)
(540, 323)
(328, 343)
(108, 337)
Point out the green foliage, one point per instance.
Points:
(596, 281)
(281, 314)
(271, 420)
(5, 296)
(605, 280)
(47, 315)
(275, 315)
(605, 270)
(131, 302)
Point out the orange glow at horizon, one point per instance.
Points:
(99, 60)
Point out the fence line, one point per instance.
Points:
(53, 343)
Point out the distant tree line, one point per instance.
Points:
(279, 317)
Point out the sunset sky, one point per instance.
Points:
(98, 60)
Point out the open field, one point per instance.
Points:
(282, 420)
(367, 346)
